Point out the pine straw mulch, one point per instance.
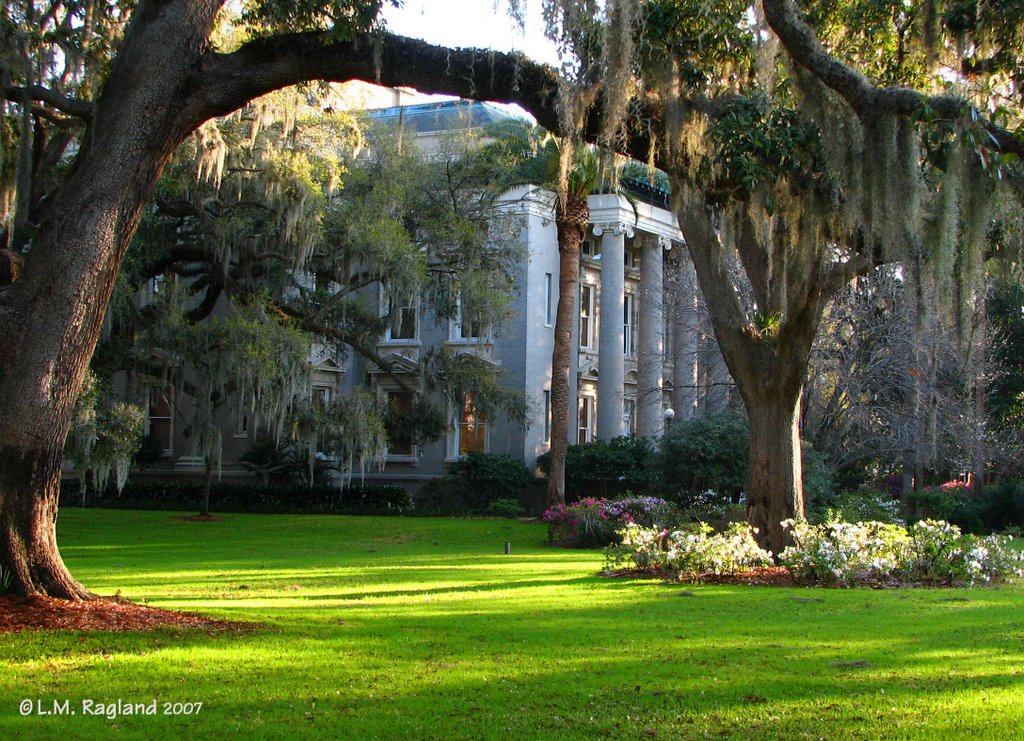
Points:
(103, 614)
(762, 576)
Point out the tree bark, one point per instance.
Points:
(775, 487)
(570, 236)
(50, 318)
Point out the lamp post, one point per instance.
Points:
(670, 414)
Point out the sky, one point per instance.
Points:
(472, 23)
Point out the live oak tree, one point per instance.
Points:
(795, 172)
(163, 78)
(127, 87)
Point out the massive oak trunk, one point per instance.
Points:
(775, 488)
(571, 233)
(50, 318)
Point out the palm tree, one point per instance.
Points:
(533, 156)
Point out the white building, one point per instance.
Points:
(640, 349)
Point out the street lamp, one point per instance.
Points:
(670, 414)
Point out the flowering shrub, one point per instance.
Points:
(700, 550)
(704, 551)
(594, 522)
(844, 553)
(583, 523)
(833, 554)
(940, 552)
(847, 554)
(644, 546)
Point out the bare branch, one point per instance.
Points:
(63, 103)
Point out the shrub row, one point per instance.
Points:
(701, 459)
(837, 554)
(478, 484)
(225, 497)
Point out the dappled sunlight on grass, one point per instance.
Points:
(439, 634)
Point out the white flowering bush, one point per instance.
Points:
(700, 550)
(847, 554)
(840, 554)
(644, 546)
(705, 551)
(844, 553)
(940, 552)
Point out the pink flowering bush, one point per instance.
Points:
(592, 522)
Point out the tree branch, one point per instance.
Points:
(228, 81)
(860, 93)
(63, 103)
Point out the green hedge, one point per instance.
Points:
(473, 483)
(372, 499)
(608, 469)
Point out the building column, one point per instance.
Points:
(649, 419)
(611, 360)
(574, 367)
(685, 335)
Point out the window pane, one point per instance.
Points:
(158, 416)
(404, 325)
(400, 404)
(586, 313)
(472, 428)
(583, 432)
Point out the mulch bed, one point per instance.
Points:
(199, 518)
(102, 614)
(763, 576)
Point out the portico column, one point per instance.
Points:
(650, 421)
(611, 369)
(682, 284)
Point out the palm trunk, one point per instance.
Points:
(571, 234)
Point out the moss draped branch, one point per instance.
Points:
(856, 89)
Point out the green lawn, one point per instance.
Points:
(423, 628)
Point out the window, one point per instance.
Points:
(472, 431)
(590, 248)
(547, 416)
(629, 326)
(466, 331)
(159, 417)
(400, 407)
(321, 397)
(586, 317)
(404, 324)
(585, 428)
(629, 416)
(549, 296)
